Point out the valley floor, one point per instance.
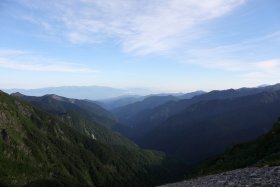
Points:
(247, 177)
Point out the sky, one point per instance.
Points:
(164, 45)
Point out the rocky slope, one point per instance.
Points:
(265, 176)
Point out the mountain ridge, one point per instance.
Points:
(85, 116)
(220, 122)
(40, 148)
(154, 117)
(81, 92)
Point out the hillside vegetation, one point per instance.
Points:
(85, 116)
(38, 148)
(138, 123)
(221, 123)
(264, 151)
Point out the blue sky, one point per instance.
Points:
(164, 45)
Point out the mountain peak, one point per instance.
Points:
(17, 94)
(56, 97)
(263, 85)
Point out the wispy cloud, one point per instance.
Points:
(141, 27)
(158, 26)
(24, 60)
(263, 70)
(253, 58)
(11, 52)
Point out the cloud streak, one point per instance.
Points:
(141, 27)
(253, 59)
(154, 27)
(24, 60)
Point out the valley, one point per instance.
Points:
(60, 140)
(139, 93)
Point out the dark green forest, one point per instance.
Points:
(39, 148)
(264, 151)
(57, 141)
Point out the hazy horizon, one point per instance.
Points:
(105, 93)
(153, 91)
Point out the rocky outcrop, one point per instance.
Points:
(247, 177)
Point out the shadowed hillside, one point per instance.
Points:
(263, 151)
(38, 148)
(221, 123)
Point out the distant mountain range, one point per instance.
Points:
(109, 97)
(116, 103)
(137, 114)
(82, 92)
(180, 127)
